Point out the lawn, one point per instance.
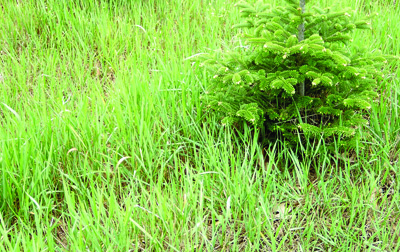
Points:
(105, 146)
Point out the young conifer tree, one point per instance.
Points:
(297, 74)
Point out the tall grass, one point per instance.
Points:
(104, 145)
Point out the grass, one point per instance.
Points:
(101, 147)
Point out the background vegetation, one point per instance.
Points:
(104, 146)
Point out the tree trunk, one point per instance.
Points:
(301, 38)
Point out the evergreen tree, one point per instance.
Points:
(297, 74)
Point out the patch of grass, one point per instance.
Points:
(104, 146)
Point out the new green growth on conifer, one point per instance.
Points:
(297, 74)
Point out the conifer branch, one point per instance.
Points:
(301, 38)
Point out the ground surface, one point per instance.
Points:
(101, 148)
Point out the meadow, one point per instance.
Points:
(105, 146)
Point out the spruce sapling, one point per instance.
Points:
(297, 75)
